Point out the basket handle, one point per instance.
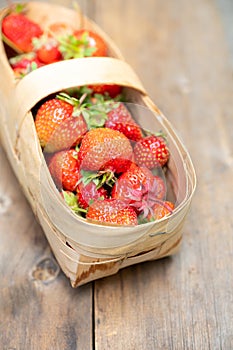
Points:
(76, 72)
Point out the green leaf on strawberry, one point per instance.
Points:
(73, 47)
(72, 201)
(99, 178)
(94, 115)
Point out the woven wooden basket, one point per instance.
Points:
(86, 251)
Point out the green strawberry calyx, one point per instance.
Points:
(157, 134)
(72, 202)
(99, 178)
(96, 114)
(16, 59)
(72, 47)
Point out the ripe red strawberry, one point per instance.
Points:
(82, 43)
(160, 210)
(104, 148)
(25, 63)
(111, 211)
(22, 61)
(59, 123)
(139, 188)
(111, 90)
(87, 193)
(95, 42)
(120, 118)
(64, 169)
(118, 165)
(151, 151)
(158, 189)
(47, 49)
(20, 30)
(49, 54)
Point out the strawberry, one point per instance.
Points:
(139, 188)
(47, 49)
(158, 189)
(82, 43)
(49, 53)
(111, 90)
(94, 41)
(151, 151)
(111, 211)
(25, 63)
(64, 169)
(59, 123)
(120, 118)
(104, 148)
(160, 209)
(87, 193)
(19, 31)
(118, 165)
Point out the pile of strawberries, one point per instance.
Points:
(36, 47)
(106, 167)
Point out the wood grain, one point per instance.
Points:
(182, 53)
(38, 307)
(182, 50)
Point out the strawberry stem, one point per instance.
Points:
(67, 98)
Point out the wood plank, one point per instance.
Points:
(39, 308)
(182, 53)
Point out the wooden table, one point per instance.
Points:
(183, 52)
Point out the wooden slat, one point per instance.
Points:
(38, 307)
(181, 52)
